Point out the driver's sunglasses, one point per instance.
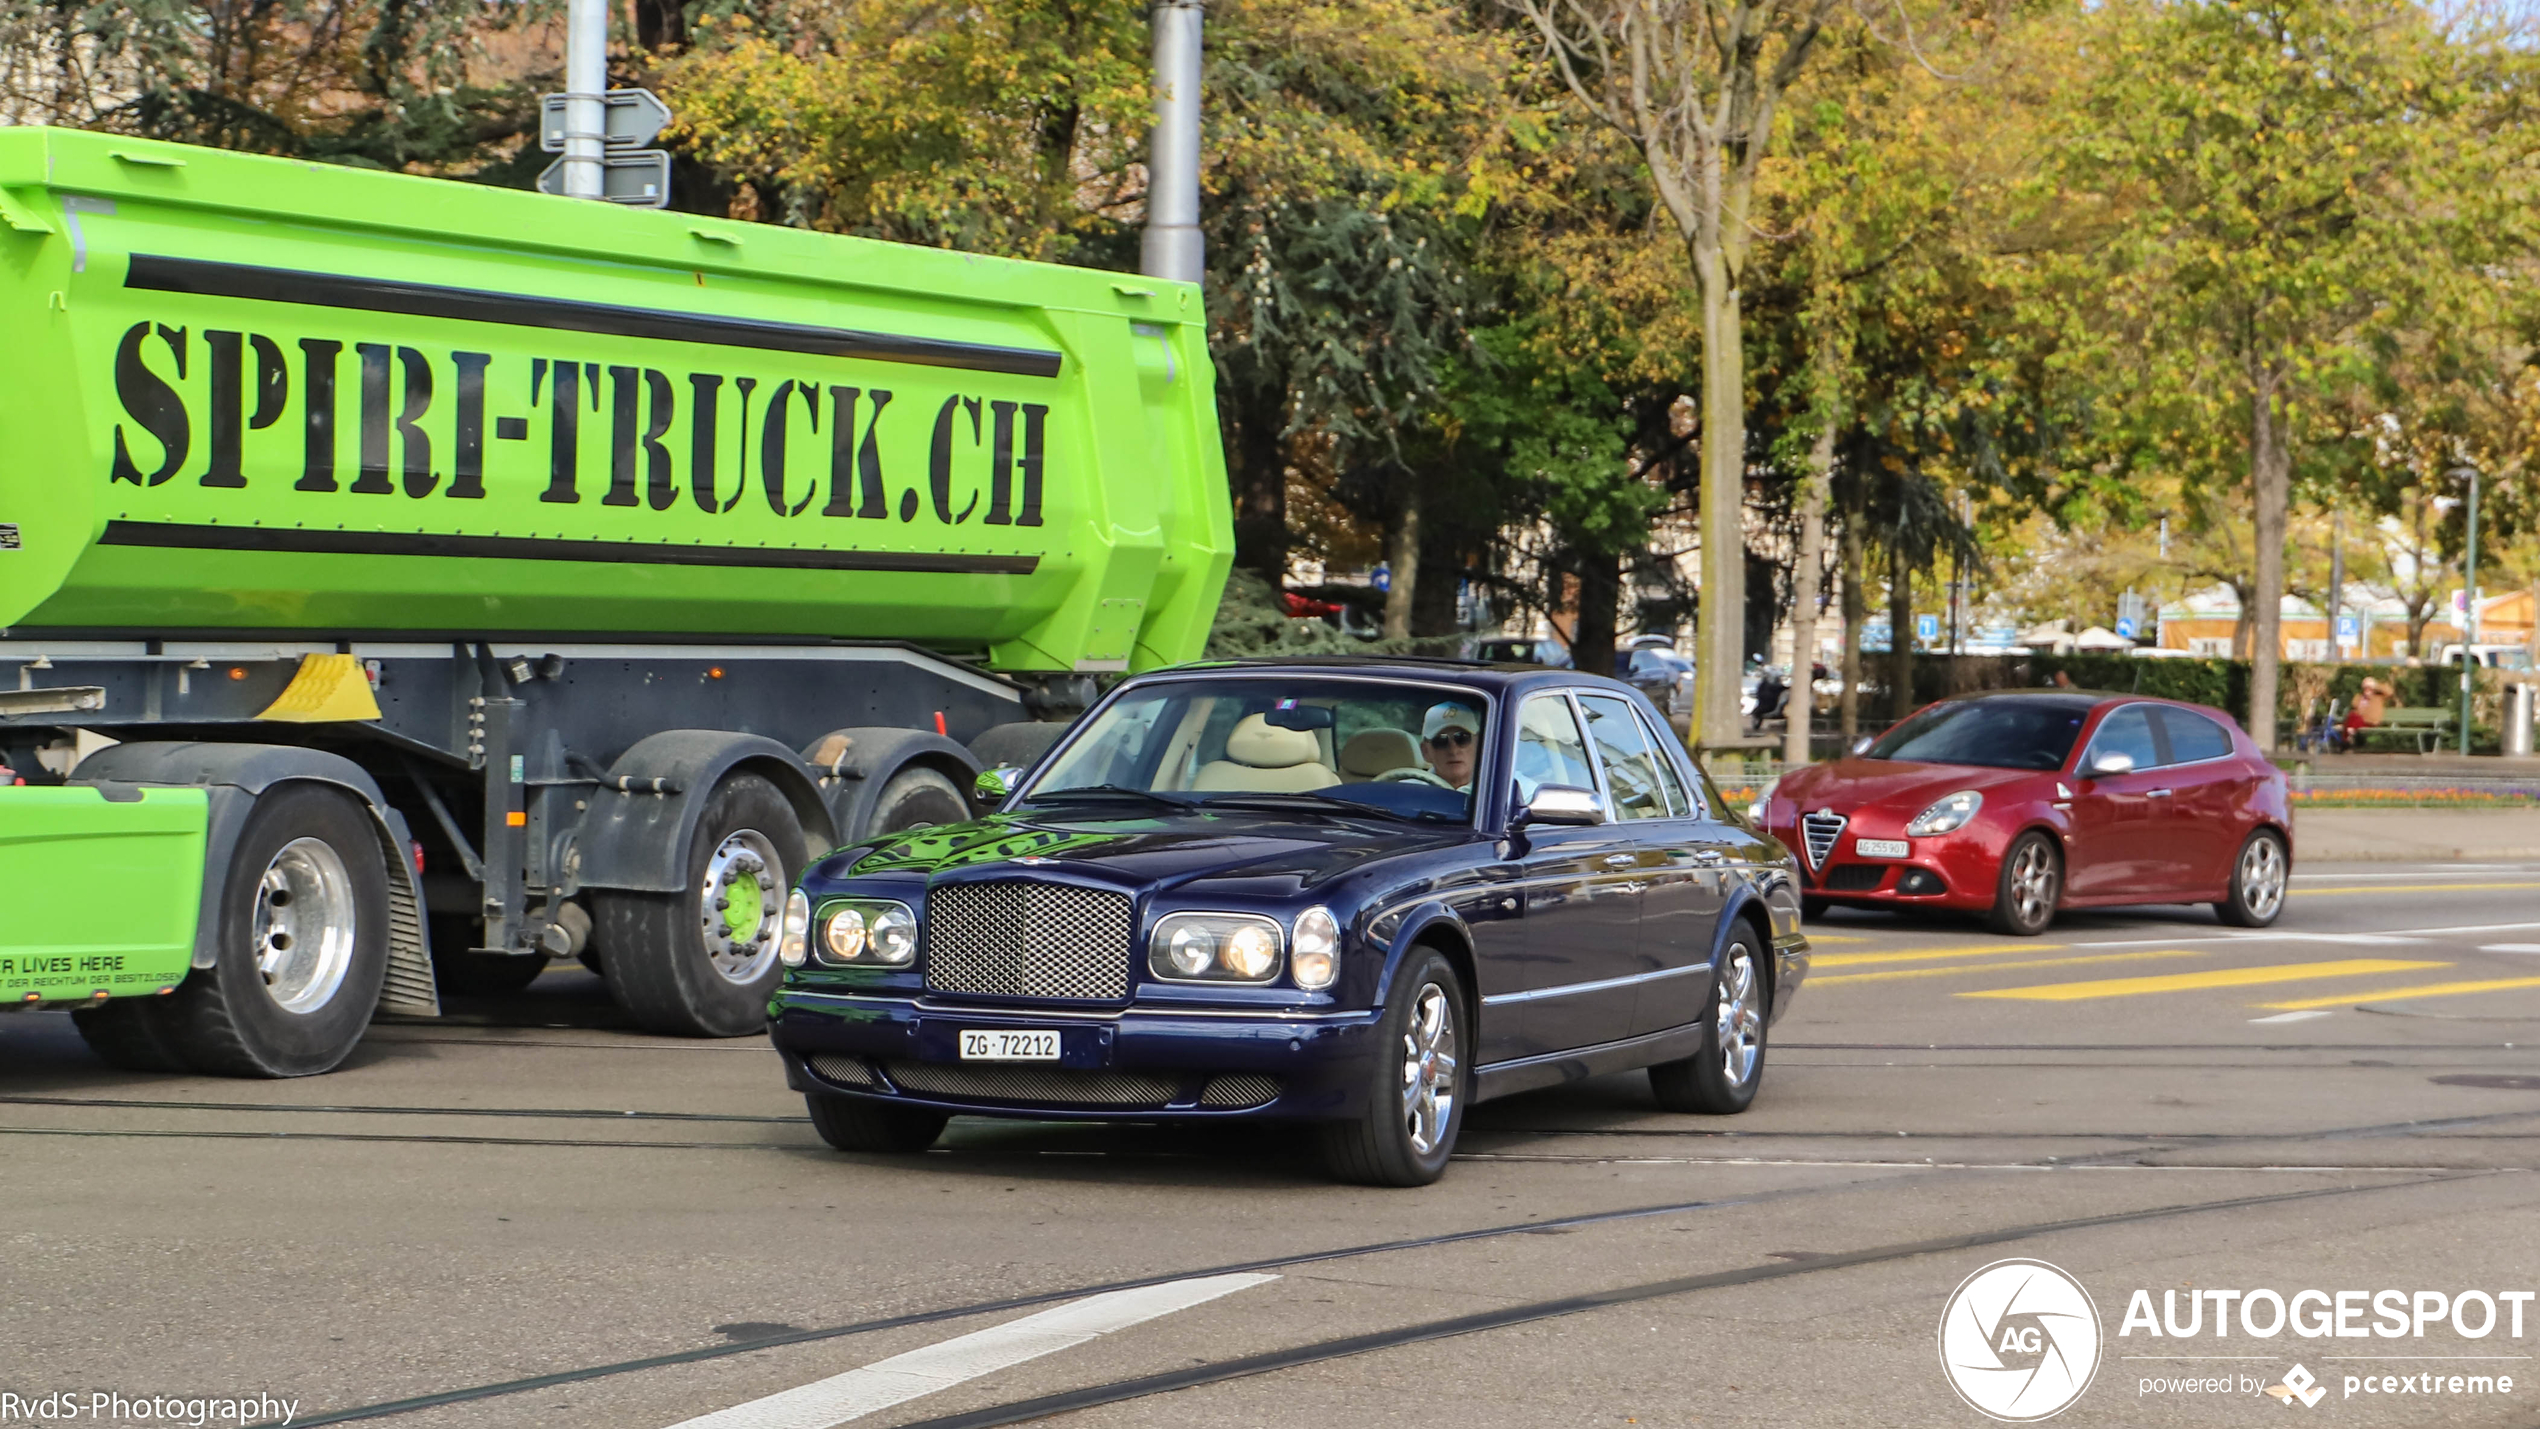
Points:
(1452, 738)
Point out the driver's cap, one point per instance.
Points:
(1450, 715)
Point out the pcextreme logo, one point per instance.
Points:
(2019, 1341)
(2301, 1386)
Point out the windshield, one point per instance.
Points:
(1405, 751)
(2008, 733)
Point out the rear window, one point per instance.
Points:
(2194, 737)
(1989, 734)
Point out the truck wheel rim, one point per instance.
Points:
(2262, 877)
(744, 881)
(304, 925)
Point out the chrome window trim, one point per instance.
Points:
(1568, 695)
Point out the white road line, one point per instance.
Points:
(901, 1378)
(2509, 947)
(2426, 870)
(2291, 1016)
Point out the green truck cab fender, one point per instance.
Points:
(101, 890)
(232, 777)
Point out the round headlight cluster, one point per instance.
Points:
(868, 933)
(1215, 947)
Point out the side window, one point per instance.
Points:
(1630, 765)
(2194, 737)
(1549, 750)
(1683, 802)
(2128, 731)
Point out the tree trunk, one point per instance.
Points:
(1856, 611)
(1900, 635)
(1600, 586)
(1801, 708)
(1402, 558)
(2271, 470)
(1720, 655)
(1259, 474)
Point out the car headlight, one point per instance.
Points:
(795, 944)
(1215, 947)
(867, 932)
(1763, 801)
(1316, 961)
(1948, 816)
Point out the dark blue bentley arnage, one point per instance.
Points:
(1360, 894)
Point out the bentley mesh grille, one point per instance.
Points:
(1819, 831)
(1016, 938)
(843, 1071)
(1240, 1090)
(1049, 1086)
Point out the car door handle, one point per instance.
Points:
(1621, 860)
(2156, 794)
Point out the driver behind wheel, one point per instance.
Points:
(1450, 736)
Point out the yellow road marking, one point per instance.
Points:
(1964, 968)
(2184, 982)
(1926, 955)
(1826, 938)
(2439, 989)
(2408, 888)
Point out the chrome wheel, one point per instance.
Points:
(1741, 1022)
(2032, 884)
(1429, 1069)
(739, 901)
(2262, 877)
(304, 925)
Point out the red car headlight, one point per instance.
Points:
(1948, 816)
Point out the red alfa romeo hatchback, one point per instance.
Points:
(2024, 802)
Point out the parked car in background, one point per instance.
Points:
(2017, 804)
(2494, 657)
(1520, 650)
(1660, 673)
(1355, 894)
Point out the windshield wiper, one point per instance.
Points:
(1100, 791)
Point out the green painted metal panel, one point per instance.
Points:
(102, 895)
(252, 393)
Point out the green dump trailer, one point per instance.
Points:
(409, 582)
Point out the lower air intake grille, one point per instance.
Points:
(1047, 1086)
(843, 1071)
(1819, 831)
(1856, 877)
(1017, 938)
(1240, 1091)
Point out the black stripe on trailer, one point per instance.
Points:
(206, 278)
(173, 535)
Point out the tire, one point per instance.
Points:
(1812, 909)
(916, 798)
(127, 1033)
(2258, 876)
(853, 1124)
(1020, 744)
(2029, 887)
(485, 974)
(672, 968)
(1722, 1078)
(1416, 1095)
(302, 948)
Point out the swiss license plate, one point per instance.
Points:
(1009, 1046)
(1882, 848)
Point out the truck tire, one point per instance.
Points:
(302, 948)
(685, 966)
(126, 1032)
(915, 798)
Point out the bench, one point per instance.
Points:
(2420, 728)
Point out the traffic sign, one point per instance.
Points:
(638, 178)
(2125, 627)
(1927, 628)
(636, 117)
(2350, 630)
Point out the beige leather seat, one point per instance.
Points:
(1261, 756)
(1371, 752)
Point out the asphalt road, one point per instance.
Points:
(562, 1223)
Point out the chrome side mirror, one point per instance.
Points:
(2110, 764)
(1562, 804)
(996, 782)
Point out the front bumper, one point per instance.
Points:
(1139, 1063)
(1957, 870)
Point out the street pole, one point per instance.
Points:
(2336, 584)
(1172, 247)
(2469, 604)
(586, 83)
